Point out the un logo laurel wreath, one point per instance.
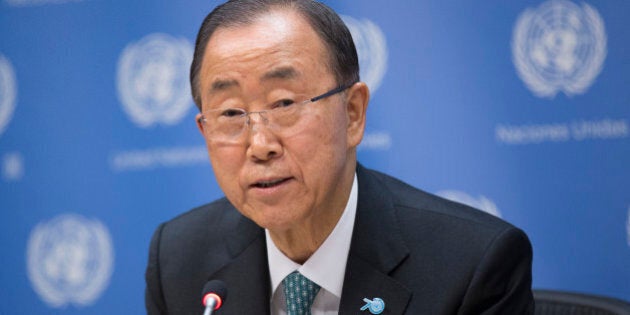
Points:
(371, 47)
(70, 260)
(8, 92)
(559, 46)
(152, 80)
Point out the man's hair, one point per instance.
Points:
(342, 54)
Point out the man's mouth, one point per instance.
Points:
(270, 183)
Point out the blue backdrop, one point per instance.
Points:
(520, 108)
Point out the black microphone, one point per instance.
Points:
(213, 295)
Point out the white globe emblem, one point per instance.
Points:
(559, 46)
(152, 80)
(371, 46)
(481, 203)
(12, 166)
(8, 92)
(70, 260)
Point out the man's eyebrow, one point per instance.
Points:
(221, 85)
(280, 73)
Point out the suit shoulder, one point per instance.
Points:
(415, 204)
(200, 220)
(209, 211)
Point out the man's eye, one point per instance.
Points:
(232, 112)
(283, 103)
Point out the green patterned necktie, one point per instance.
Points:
(300, 293)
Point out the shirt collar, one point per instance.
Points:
(327, 266)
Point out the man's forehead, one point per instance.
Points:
(277, 46)
(283, 73)
(275, 20)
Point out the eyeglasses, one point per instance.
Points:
(226, 125)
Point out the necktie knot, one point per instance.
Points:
(300, 293)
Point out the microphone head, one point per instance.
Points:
(215, 289)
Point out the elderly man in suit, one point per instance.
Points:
(282, 111)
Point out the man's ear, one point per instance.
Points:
(199, 123)
(358, 96)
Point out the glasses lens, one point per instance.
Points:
(224, 124)
(286, 116)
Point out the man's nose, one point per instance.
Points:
(261, 118)
(263, 143)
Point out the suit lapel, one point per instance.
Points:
(376, 250)
(247, 274)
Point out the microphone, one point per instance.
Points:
(213, 295)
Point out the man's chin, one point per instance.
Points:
(272, 218)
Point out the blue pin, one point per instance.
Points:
(376, 306)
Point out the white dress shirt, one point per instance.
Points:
(326, 267)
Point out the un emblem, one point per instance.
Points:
(481, 203)
(559, 46)
(152, 80)
(69, 260)
(371, 48)
(8, 92)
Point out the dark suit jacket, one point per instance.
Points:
(417, 252)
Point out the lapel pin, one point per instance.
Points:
(375, 306)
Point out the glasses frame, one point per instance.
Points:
(262, 113)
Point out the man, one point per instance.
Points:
(282, 111)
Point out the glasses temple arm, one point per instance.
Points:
(332, 92)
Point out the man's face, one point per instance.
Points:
(279, 181)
